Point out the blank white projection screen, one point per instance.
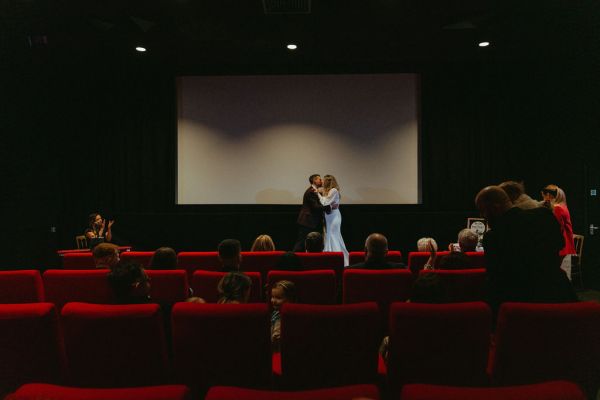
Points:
(257, 139)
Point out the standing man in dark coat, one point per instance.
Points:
(310, 218)
(522, 252)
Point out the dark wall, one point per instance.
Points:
(99, 134)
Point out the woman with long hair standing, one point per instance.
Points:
(555, 199)
(333, 220)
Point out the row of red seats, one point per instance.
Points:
(553, 390)
(265, 261)
(170, 286)
(321, 346)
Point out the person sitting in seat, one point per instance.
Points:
(234, 288)
(164, 258)
(130, 284)
(263, 243)
(230, 255)
(457, 259)
(376, 249)
(314, 243)
(106, 255)
(281, 292)
(424, 244)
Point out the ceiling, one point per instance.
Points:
(188, 34)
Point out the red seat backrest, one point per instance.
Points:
(381, 286)
(38, 391)
(359, 257)
(312, 287)
(194, 260)
(78, 261)
(462, 285)
(418, 259)
(260, 261)
(221, 344)
(30, 347)
(338, 393)
(24, 286)
(332, 345)
(444, 344)
(555, 390)
(90, 286)
(140, 257)
(540, 342)
(204, 285)
(168, 286)
(114, 345)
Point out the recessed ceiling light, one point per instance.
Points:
(140, 49)
(292, 46)
(484, 44)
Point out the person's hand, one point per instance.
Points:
(110, 223)
(327, 209)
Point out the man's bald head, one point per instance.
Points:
(492, 202)
(376, 247)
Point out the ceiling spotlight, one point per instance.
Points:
(484, 44)
(292, 46)
(140, 49)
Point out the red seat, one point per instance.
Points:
(221, 344)
(327, 260)
(168, 286)
(359, 257)
(194, 260)
(114, 345)
(556, 390)
(338, 393)
(78, 261)
(38, 391)
(381, 286)
(417, 259)
(324, 346)
(445, 344)
(204, 284)
(90, 286)
(462, 285)
(141, 257)
(539, 342)
(312, 287)
(30, 348)
(23, 286)
(260, 261)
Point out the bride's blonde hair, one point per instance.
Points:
(329, 182)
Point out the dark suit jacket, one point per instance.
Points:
(523, 262)
(311, 213)
(378, 265)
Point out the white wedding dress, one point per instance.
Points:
(333, 224)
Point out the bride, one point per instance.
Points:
(333, 220)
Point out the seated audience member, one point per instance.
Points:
(263, 243)
(234, 288)
(376, 249)
(97, 228)
(164, 258)
(467, 240)
(281, 292)
(130, 284)
(106, 255)
(314, 243)
(522, 252)
(423, 244)
(230, 255)
(289, 261)
(518, 197)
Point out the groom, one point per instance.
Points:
(310, 218)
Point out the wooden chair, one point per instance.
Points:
(576, 259)
(81, 241)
